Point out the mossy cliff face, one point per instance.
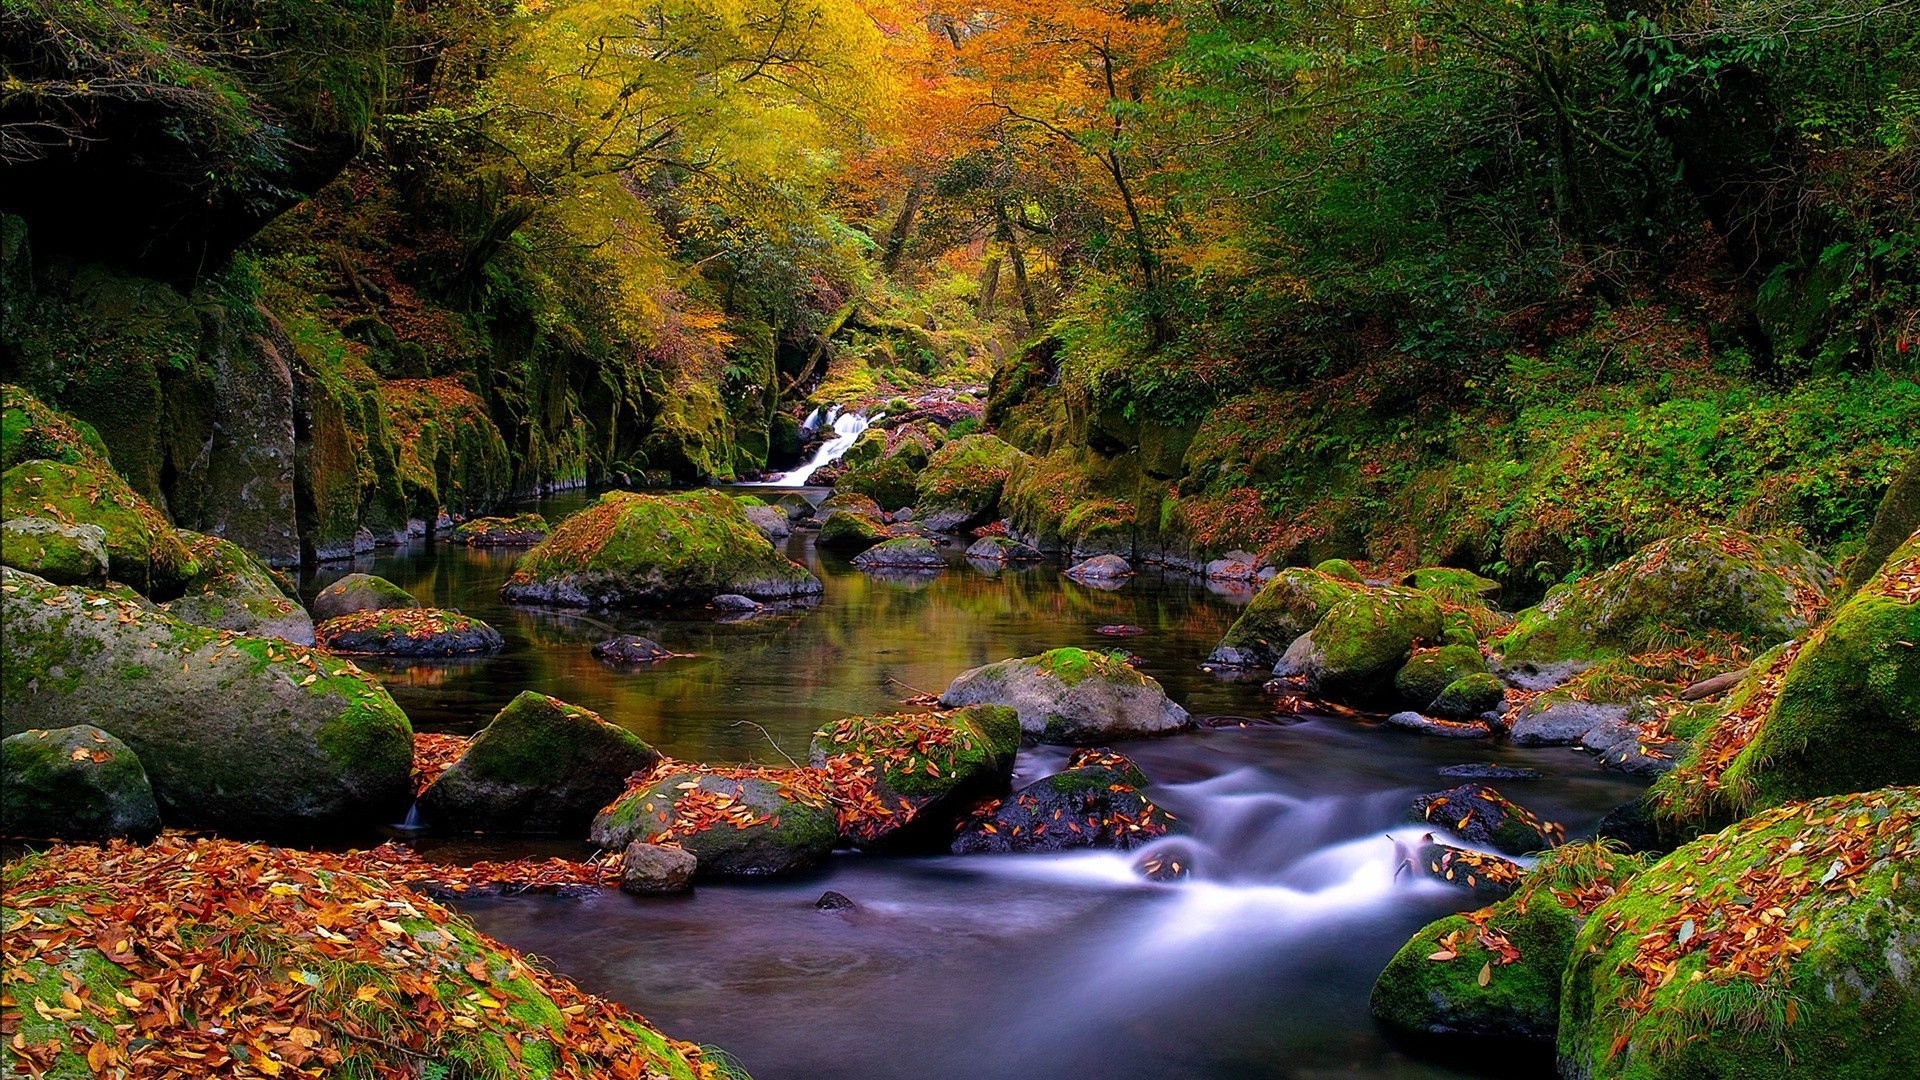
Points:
(1782, 946)
(247, 735)
(631, 550)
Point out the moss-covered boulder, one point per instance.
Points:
(1341, 570)
(248, 735)
(1469, 696)
(74, 783)
(851, 502)
(889, 480)
(315, 964)
(520, 530)
(1450, 582)
(1783, 946)
(737, 822)
(30, 430)
(1495, 973)
(1480, 815)
(999, 549)
(361, 592)
(63, 554)
(910, 779)
(539, 766)
(1837, 712)
(1429, 671)
(416, 632)
(848, 532)
(1758, 590)
(963, 482)
(1095, 802)
(638, 550)
(143, 550)
(234, 590)
(1287, 606)
(1362, 642)
(902, 553)
(1072, 696)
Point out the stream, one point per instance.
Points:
(986, 967)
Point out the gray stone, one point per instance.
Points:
(74, 783)
(1071, 696)
(653, 869)
(1446, 729)
(1101, 570)
(63, 554)
(360, 592)
(1562, 723)
(771, 520)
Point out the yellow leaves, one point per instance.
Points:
(1486, 973)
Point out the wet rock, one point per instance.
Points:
(1171, 860)
(63, 554)
(1561, 723)
(1480, 815)
(1093, 805)
(1469, 696)
(1287, 606)
(1487, 877)
(736, 824)
(927, 770)
(1490, 772)
(1071, 696)
(1000, 549)
(74, 783)
(771, 520)
(1234, 566)
(521, 530)
(408, 632)
(835, 901)
(1101, 570)
(539, 766)
(234, 590)
(654, 869)
(902, 553)
(1362, 642)
(1448, 729)
(360, 592)
(643, 550)
(631, 649)
(735, 603)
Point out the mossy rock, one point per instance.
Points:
(1362, 642)
(539, 766)
(1429, 671)
(143, 550)
(1839, 712)
(1072, 696)
(1094, 804)
(1449, 583)
(848, 532)
(1785, 947)
(251, 736)
(889, 481)
(74, 783)
(63, 554)
(408, 632)
(1469, 696)
(1287, 606)
(1341, 570)
(768, 832)
(902, 553)
(32, 430)
(234, 590)
(852, 502)
(516, 531)
(360, 592)
(870, 447)
(1519, 1000)
(643, 550)
(999, 549)
(930, 769)
(1758, 590)
(963, 482)
(1480, 815)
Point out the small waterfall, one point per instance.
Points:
(414, 823)
(847, 429)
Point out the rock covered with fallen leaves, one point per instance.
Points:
(1480, 815)
(1838, 711)
(1095, 802)
(1287, 606)
(360, 592)
(520, 530)
(1072, 696)
(907, 781)
(741, 821)
(196, 958)
(143, 549)
(248, 735)
(1783, 946)
(641, 550)
(74, 783)
(233, 589)
(1495, 973)
(415, 632)
(539, 766)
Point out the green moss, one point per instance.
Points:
(967, 476)
(1285, 607)
(847, 531)
(1074, 666)
(1470, 695)
(143, 550)
(1430, 671)
(30, 429)
(1367, 637)
(1340, 570)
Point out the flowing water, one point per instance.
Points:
(987, 967)
(847, 429)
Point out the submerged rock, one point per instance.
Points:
(417, 632)
(735, 823)
(834, 901)
(63, 554)
(635, 550)
(1480, 815)
(1489, 771)
(630, 649)
(539, 766)
(360, 592)
(74, 783)
(1286, 607)
(234, 590)
(1101, 570)
(735, 604)
(1095, 802)
(248, 735)
(903, 553)
(1486, 876)
(652, 869)
(1071, 696)
(521, 530)
(927, 770)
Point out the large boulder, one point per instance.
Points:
(736, 822)
(1480, 815)
(902, 553)
(63, 554)
(520, 530)
(1362, 642)
(1837, 712)
(143, 550)
(418, 632)
(963, 482)
(74, 783)
(360, 592)
(1286, 607)
(637, 550)
(1759, 590)
(234, 590)
(913, 777)
(1429, 671)
(1095, 802)
(1782, 946)
(539, 766)
(1469, 696)
(1071, 696)
(248, 735)
(770, 520)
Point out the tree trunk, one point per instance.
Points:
(903, 226)
(989, 285)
